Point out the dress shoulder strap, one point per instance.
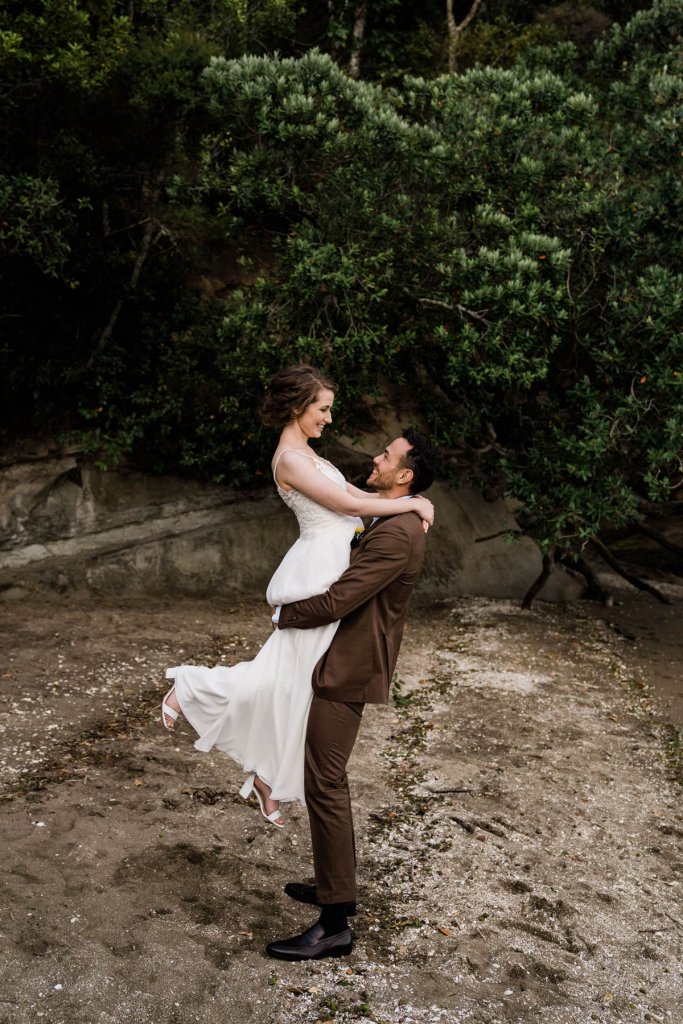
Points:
(299, 452)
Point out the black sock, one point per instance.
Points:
(333, 918)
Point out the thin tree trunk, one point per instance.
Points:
(358, 38)
(147, 239)
(452, 35)
(455, 31)
(541, 580)
(331, 34)
(595, 588)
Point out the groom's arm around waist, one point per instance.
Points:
(384, 555)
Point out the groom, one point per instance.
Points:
(371, 600)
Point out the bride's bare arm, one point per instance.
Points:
(299, 473)
(358, 491)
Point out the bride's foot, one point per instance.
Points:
(270, 809)
(269, 806)
(170, 709)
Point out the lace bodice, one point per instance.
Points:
(311, 516)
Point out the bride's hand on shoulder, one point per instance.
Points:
(425, 510)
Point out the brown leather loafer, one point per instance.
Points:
(312, 944)
(304, 893)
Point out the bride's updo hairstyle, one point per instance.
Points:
(290, 392)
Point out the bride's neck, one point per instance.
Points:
(293, 437)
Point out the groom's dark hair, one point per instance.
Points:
(423, 458)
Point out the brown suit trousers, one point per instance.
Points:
(371, 600)
(332, 730)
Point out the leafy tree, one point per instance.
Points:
(501, 241)
(496, 253)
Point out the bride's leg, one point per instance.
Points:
(269, 805)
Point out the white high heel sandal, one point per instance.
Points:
(166, 709)
(248, 788)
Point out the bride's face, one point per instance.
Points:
(317, 414)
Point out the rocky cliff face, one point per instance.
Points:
(65, 524)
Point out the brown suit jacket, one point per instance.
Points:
(371, 600)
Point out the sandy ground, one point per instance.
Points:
(518, 814)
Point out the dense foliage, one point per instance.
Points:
(497, 252)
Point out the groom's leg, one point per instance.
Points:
(332, 730)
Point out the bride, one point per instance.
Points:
(257, 711)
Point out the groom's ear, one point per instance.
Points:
(404, 476)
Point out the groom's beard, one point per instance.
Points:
(381, 481)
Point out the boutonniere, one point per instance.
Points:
(357, 536)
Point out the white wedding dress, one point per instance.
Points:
(257, 711)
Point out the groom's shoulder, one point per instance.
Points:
(403, 524)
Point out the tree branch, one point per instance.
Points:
(660, 507)
(660, 539)
(634, 580)
(500, 533)
(456, 308)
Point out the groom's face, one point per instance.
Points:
(388, 471)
